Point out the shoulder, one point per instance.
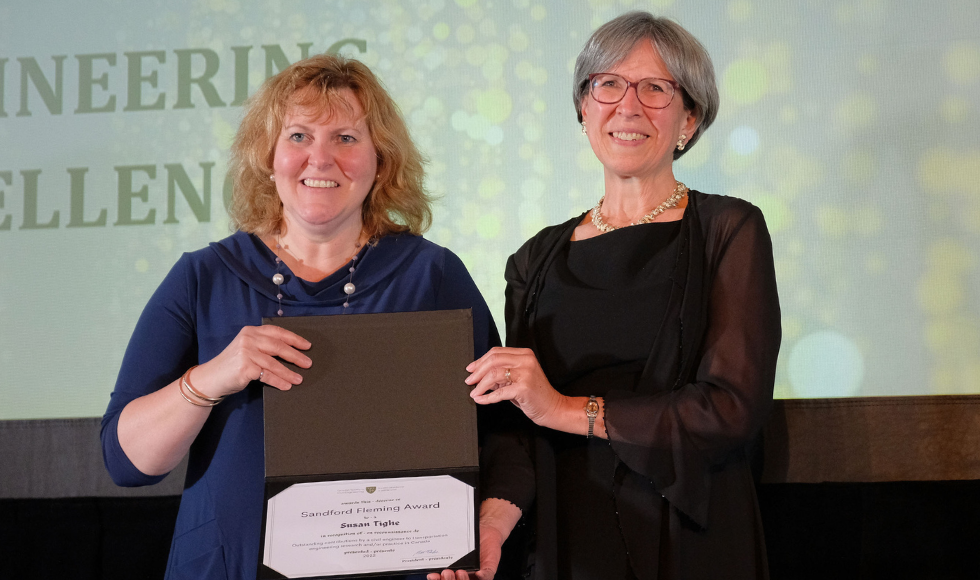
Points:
(238, 245)
(728, 220)
(723, 216)
(713, 208)
(551, 235)
(414, 249)
(413, 257)
(212, 266)
(417, 244)
(445, 260)
(541, 243)
(426, 265)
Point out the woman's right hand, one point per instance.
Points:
(250, 357)
(156, 430)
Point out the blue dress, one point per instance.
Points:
(200, 307)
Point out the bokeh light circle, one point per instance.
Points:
(745, 81)
(744, 140)
(825, 364)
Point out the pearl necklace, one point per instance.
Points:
(349, 286)
(278, 278)
(680, 190)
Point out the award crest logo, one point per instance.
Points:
(370, 489)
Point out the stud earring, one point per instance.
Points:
(680, 143)
(584, 132)
(272, 178)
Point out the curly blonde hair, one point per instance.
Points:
(397, 201)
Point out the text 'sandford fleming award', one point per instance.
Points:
(369, 526)
(371, 462)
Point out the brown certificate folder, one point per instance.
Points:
(385, 397)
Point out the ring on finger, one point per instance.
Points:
(261, 374)
(507, 375)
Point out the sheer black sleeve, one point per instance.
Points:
(674, 435)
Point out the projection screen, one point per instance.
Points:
(853, 124)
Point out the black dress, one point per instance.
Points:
(686, 389)
(599, 300)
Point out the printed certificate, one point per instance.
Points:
(364, 526)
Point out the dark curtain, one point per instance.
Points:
(922, 530)
(82, 538)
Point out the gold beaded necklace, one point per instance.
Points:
(680, 190)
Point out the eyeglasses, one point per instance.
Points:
(609, 88)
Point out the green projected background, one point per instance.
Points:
(853, 124)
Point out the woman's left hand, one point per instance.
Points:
(514, 374)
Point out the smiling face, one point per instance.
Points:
(633, 141)
(324, 166)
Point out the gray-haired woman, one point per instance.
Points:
(641, 345)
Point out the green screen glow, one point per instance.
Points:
(853, 124)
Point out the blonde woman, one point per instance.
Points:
(329, 208)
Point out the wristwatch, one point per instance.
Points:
(591, 411)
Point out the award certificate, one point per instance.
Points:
(363, 526)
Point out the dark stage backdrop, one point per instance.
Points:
(885, 487)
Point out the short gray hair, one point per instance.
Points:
(686, 59)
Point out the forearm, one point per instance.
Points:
(156, 430)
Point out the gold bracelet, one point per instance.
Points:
(180, 389)
(186, 382)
